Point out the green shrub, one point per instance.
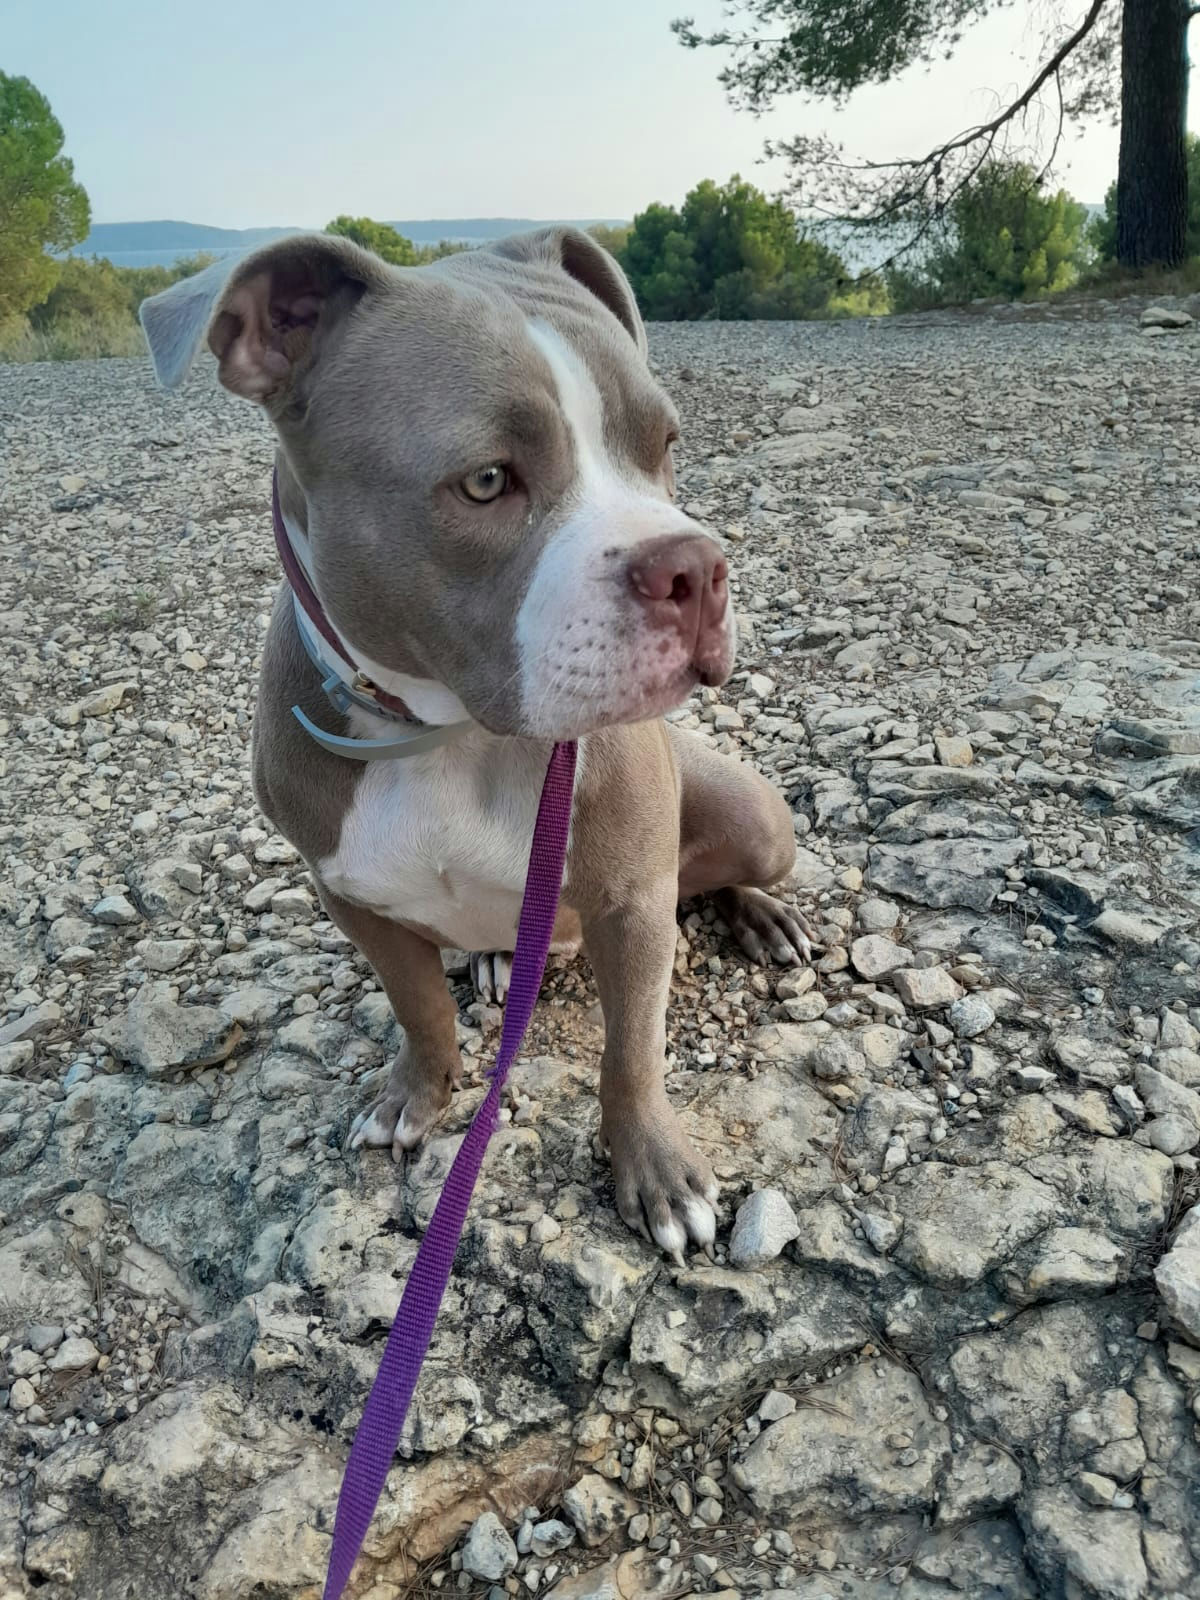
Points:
(377, 236)
(141, 282)
(91, 312)
(613, 240)
(1006, 239)
(728, 252)
(70, 339)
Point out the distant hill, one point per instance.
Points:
(143, 243)
(121, 237)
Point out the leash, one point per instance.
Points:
(387, 1405)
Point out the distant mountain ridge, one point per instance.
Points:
(123, 238)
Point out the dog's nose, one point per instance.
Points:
(683, 571)
(682, 581)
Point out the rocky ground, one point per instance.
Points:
(951, 1343)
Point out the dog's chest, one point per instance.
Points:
(442, 841)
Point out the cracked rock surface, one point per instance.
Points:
(952, 1345)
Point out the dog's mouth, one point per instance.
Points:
(635, 697)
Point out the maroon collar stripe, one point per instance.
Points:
(315, 612)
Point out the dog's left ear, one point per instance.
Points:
(589, 263)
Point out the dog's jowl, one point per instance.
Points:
(477, 500)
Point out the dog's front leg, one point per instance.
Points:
(665, 1190)
(428, 1064)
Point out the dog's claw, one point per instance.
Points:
(491, 973)
(665, 1190)
(766, 929)
(403, 1114)
(710, 1253)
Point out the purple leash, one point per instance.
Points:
(387, 1405)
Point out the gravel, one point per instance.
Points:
(965, 553)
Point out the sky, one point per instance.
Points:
(241, 113)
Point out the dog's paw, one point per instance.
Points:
(491, 973)
(665, 1191)
(403, 1113)
(765, 928)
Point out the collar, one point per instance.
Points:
(346, 686)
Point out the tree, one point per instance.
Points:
(1103, 230)
(1131, 55)
(42, 208)
(1008, 238)
(376, 236)
(659, 260)
(729, 252)
(1152, 176)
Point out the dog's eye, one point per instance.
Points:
(487, 484)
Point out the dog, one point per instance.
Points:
(476, 490)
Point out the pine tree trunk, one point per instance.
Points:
(1152, 171)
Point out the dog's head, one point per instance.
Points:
(485, 464)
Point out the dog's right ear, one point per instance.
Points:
(265, 314)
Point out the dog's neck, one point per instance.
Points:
(427, 700)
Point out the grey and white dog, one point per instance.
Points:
(475, 474)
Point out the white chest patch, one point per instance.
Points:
(442, 840)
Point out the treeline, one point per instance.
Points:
(728, 252)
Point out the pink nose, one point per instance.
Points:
(682, 582)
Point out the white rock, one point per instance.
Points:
(488, 1552)
(22, 1395)
(73, 1355)
(875, 956)
(925, 988)
(776, 1405)
(765, 1223)
(598, 1508)
(971, 1016)
(116, 909)
(1178, 1276)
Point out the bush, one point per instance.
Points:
(729, 252)
(377, 236)
(613, 240)
(91, 311)
(70, 339)
(86, 291)
(1006, 239)
(141, 282)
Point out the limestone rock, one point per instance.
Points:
(926, 988)
(961, 1222)
(1177, 1276)
(598, 1508)
(1100, 1550)
(488, 1552)
(157, 1034)
(832, 1454)
(765, 1223)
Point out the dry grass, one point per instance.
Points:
(1112, 282)
(70, 340)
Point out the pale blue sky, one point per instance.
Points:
(244, 112)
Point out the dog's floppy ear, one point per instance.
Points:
(262, 312)
(589, 263)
